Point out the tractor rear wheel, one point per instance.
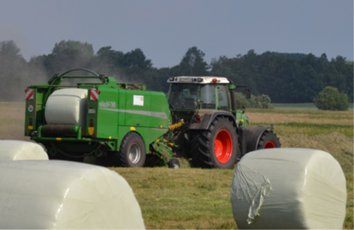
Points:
(268, 140)
(132, 151)
(217, 146)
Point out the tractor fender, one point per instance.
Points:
(251, 136)
(209, 117)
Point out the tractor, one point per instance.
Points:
(214, 132)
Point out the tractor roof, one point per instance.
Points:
(199, 80)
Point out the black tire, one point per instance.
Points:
(205, 151)
(268, 140)
(132, 151)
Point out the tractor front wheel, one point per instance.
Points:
(217, 146)
(132, 152)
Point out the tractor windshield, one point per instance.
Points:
(198, 96)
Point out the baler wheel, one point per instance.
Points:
(132, 153)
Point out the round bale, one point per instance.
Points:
(289, 188)
(66, 106)
(21, 150)
(62, 194)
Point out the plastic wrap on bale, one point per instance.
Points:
(289, 188)
(21, 150)
(61, 194)
(66, 106)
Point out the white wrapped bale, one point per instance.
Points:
(21, 150)
(289, 189)
(62, 194)
(66, 106)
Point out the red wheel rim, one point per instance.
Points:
(223, 146)
(269, 145)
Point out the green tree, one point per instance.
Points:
(10, 50)
(286, 77)
(135, 60)
(192, 63)
(263, 101)
(109, 61)
(241, 101)
(13, 72)
(330, 98)
(67, 55)
(108, 58)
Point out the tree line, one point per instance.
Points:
(284, 77)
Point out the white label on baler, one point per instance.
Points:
(138, 100)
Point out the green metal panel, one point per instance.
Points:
(34, 111)
(146, 109)
(91, 120)
(147, 113)
(107, 116)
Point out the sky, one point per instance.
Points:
(165, 29)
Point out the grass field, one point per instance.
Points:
(200, 198)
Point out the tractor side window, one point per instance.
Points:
(223, 100)
(207, 97)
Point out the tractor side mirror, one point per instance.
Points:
(232, 87)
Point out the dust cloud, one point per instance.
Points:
(16, 73)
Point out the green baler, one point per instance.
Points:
(78, 116)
